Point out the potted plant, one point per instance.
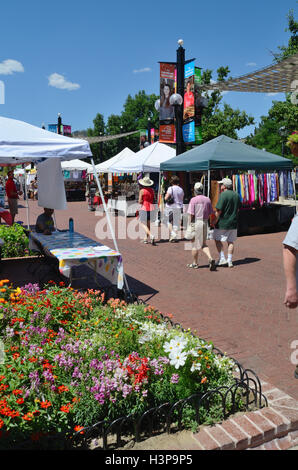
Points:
(292, 142)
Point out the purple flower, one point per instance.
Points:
(175, 378)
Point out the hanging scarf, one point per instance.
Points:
(255, 180)
(265, 187)
(251, 190)
(239, 187)
(273, 189)
(261, 190)
(290, 185)
(242, 188)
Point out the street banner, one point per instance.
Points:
(166, 111)
(188, 131)
(189, 92)
(200, 102)
(66, 130)
(52, 128)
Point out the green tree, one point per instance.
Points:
(98, 129)
(220, 118)
(282, 114)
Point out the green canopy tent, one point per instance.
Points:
(226, 153)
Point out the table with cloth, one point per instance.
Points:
(74, 249)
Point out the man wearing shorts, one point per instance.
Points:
(226, 212)
(12, 195)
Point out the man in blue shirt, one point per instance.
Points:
(45, 223)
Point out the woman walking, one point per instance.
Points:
(173, 210)
(147, 210)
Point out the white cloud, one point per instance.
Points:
(58, 81)
(145, 69)
(10, 66)
(271, 94)
(250, 64)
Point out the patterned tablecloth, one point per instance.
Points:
(73, 249)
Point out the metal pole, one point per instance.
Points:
(59, 124)
(208, 184)
(108, 218)
(180, 147)
(27, 201)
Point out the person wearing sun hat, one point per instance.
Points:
(226, 212)
(147, 210)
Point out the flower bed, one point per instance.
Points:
(71, 360)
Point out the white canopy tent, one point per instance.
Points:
(104, 167)
(147, 160)
(21, 142)
(73, 165)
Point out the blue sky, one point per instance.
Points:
(84, 57)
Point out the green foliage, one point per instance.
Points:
(292, 47)
(16, 241)
(267, 135)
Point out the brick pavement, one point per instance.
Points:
(240, 309)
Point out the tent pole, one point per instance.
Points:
(27, 201)
(108, 217)
(208, 184)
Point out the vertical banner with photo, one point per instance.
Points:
(188, 129)
(189, 92)
(166, 111)
(199, 101)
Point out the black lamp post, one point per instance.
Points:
(283, 132)
(59, 123)
(149, 130)
(101, 149)
(180, 147)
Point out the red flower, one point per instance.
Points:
(63, 388)
(79, 428)
(45, 404)
(65, 408)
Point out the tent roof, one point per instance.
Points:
(104, 166)
(226, 153)
(145, 160)
(22, 142)
(76, 165)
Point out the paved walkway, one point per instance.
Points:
(240, 309)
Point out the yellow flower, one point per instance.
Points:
(18, 291)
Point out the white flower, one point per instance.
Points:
(195, 366)
(176, 344)
(178, 359)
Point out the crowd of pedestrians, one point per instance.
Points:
(205, 221)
